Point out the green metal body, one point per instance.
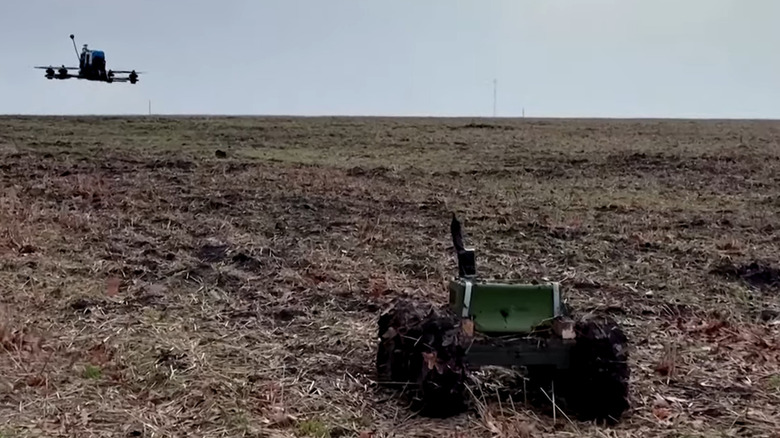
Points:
(501, 308)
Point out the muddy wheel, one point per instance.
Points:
(423, 349)
(595, 386)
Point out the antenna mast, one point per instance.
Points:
(495, 95)
(72, 38)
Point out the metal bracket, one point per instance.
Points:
(467, 299)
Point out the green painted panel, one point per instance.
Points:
(505, 307)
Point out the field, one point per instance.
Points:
(223, 276)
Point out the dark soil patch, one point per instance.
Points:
(288, 313)
(693, 223)
(612, 208)
(642, 162)
(172, 360)
(171, 164)
(372, 172)
(212, 253)
(558, 232)
(769, 315)
(756, 273)
(82, 304)
(482, 126)
(247, 262)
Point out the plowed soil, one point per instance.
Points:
(223, 276)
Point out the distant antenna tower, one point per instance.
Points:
(150, 107)
(495, 95)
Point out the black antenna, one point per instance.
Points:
(466, 258)
(72, 38)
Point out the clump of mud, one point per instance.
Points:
(424, 347)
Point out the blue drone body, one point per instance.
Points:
(92, 67)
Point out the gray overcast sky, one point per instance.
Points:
(590, 58)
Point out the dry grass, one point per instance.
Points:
(248, 286)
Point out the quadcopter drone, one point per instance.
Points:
(92, 67)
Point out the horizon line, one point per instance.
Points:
(369, 116)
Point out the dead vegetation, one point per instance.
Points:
(223, 276)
